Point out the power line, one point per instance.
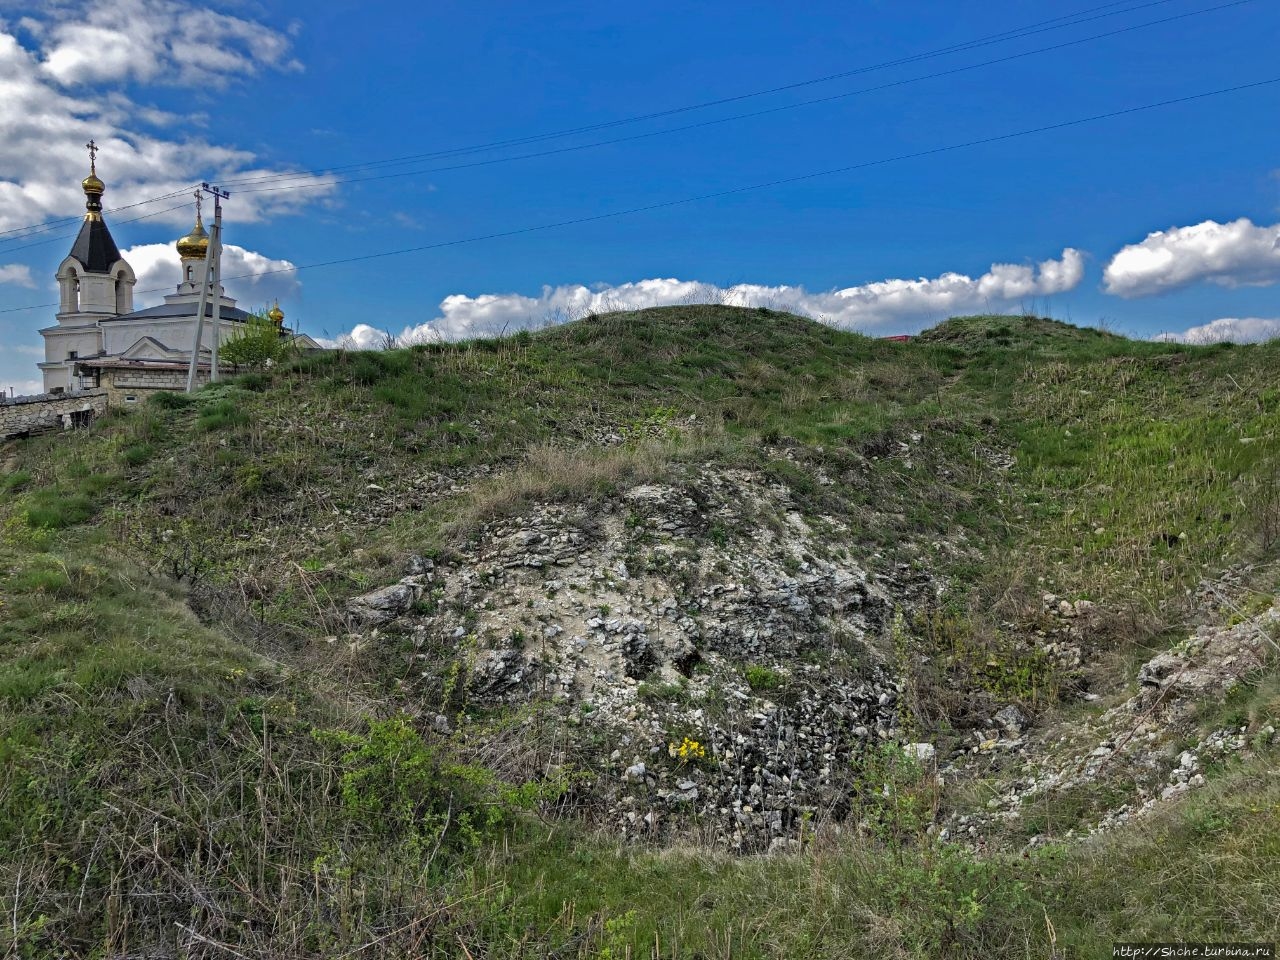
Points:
(1054, 23)
(746, 116)
(1043, 26)
(312, 177)
(145, 216)
(37, 228)
(781, 181)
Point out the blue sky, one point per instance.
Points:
(1058, 222)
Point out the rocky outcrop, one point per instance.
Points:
(1133, 751)
(713, 656)
(386, 604)
(724, 658)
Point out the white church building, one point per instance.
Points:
(100, 341)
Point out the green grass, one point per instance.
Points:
(55, 509)
(219, 771)
(858, 898)
(763, 679)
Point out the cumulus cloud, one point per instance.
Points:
(156, 41)
(365, 337)
(252, 278)
(22, 388)
(17, 273)
(1235, 329)
(902, 305)
(1234, 254)
(144, 152)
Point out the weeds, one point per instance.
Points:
(167, 788)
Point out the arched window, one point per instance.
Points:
(124, 289)
(69, 286)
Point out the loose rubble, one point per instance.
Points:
(1132, 750)
(725, 662)
(647, 621)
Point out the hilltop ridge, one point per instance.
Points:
(384, 651)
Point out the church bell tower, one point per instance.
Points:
(94, 283)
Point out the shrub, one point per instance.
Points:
(396, 785)
(57, 509)
(223, 413)
(762, 679)
(137, 454)
(15, 481)
(170, 400)
(256, 344)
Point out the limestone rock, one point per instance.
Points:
(383, 605)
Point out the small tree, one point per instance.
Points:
(258, 342)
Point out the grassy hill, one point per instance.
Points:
(199, 754)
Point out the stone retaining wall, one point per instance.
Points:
(23, 416)
(128, 386)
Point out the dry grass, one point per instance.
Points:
(555, 474)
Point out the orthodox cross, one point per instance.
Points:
(93, 156)
(199, 197)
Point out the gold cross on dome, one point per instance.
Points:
(93, 156)
(198, 199)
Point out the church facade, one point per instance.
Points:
(100, 341)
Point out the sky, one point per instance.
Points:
(870, 164)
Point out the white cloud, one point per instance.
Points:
(252, 278)
(144, 152)
(1235, 329)
(1233, 254)
(17, 273)
(158, 41)
(365, 337)
(898, 304)
(22, 388)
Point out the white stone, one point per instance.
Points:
(923, 752)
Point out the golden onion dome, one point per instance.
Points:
(275, 314)
(93, 187)
(194, 245)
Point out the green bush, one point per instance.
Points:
(170, 400)
(396, 785)
(14, 482)
(257, 343)
(137, 454)
(762, 679)
(57, 509)
(224, 413)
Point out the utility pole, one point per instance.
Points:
(209, 287)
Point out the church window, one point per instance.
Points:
(72, 354)
(70, 292)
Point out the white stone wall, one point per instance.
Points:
(85, 339)
(174, 333)
(27, 415)
(97, 293)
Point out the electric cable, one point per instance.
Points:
(781, 181)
